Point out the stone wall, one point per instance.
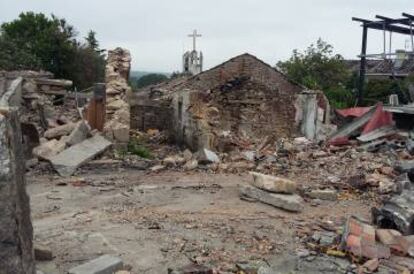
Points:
(16, 232)
(117, 123)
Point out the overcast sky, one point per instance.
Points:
(156, 30)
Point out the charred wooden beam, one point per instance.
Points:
(383, 25)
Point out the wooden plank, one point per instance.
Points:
(95, 114)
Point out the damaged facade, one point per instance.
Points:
(243, 97)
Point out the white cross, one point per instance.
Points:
(194, 35)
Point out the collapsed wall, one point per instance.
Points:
(16, 231)
(44, 104)
(242, 98)
(242, 101)
(117, 123)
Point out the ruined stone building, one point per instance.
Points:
(243, 97)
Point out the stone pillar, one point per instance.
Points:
(117, 123)
(16, 232)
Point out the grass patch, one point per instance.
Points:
(135, 148)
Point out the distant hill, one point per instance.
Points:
(136, 74)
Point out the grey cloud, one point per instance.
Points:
(156, 30)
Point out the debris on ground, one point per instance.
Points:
(42, 252)
(397, 213)
(103, 264)
(70, 159)
(206, 156)
(272, 183)
(191, 269)
(289, 202)
(367, 163)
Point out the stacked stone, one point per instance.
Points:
(117, 124)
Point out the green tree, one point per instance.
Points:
(91, 40)
(35, 41)
(49, 40)
(89, 63)
(13, 57)
(319, 68)
(150, 79)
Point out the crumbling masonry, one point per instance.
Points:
(16, 232)
(117, 90)
(241, 98)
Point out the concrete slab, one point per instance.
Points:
(206, 156)
(377, 133)
(105, 264)
(66, 162)
(79, 134)
(293, 203)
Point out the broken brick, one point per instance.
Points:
(359, 239)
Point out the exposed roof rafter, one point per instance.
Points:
(390, 24)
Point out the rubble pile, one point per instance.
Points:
(117, 124)
(383, 174)
(373, 127)
(51, 122)
(380, 177)
(275, 191)
(44, 104)
(371, 249)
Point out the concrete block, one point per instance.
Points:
(326, 194)
(59, 131)
(293, 203)
(49, 149)
(79, 134)
(206, 156)
(191, 165)
(42, 253)
(105, 264)
(405, 166)
(272, 183)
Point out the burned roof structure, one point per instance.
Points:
(393, 64)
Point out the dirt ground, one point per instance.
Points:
(156, 221)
